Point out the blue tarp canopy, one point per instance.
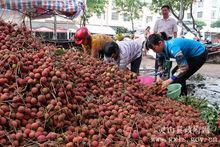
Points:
(45, 8)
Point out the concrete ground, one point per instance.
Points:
(212, 70)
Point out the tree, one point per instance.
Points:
(194, 21)
(94, 7)
(121, 30)
(178, 8)
(216, 24)
(200, 24)
(130, 8)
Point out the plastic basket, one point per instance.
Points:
(146, 80)
(174, 90)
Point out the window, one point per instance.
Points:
(199, 14)
(98, 16)
(214, 3)
(115, 15)
(61, 36)
(71, 35)
(188, 16)
(200, 4)
(126, 18)
(213, 15)
(44, 35)
(149, 19)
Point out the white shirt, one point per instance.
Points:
(166, 25)
(127, 39)
(140, 40)
(129, 51)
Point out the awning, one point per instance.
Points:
(189, 35)
(45, 8)
(45, 29)
(73, 28)
(101, 29)
(94, 29)
(208, 29)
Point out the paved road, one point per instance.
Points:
(212, 70)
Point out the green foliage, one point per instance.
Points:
(216, 24)
(95, 7)
(209, 113)
(200, 24)
(130, 8)
(121, 30)
(174, 4)
(197, 77)
(119, 37)
(60, 51)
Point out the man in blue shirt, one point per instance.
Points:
(190, 55)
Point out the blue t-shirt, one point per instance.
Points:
(189, 47)
(181, 49)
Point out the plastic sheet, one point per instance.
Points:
(45, 8)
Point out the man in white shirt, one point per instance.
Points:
(124, 53)
(166, 24)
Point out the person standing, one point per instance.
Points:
(146, 35)
(147, 32)
(166, 24)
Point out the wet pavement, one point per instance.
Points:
(206, 88)
(209, 89)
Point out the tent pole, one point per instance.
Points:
(67, 32)
(30, 23)
(55, 28)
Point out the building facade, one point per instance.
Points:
(113, 18)
(205, 10)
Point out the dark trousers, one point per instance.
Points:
(135, 65)
(194, 63)
(101, 55)
(162, 62)
(166, 73)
